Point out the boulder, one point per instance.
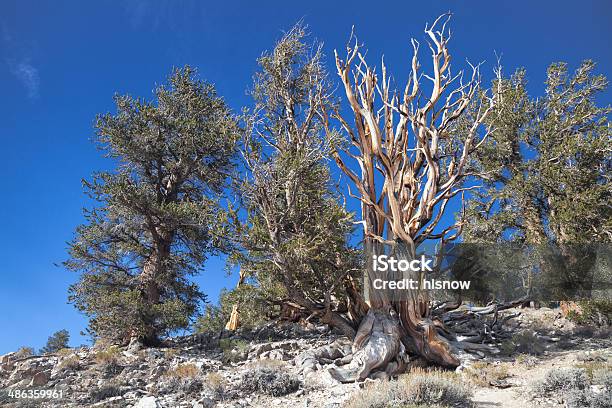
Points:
(276, 354)
(40, 378)
(7, 357)
(148, 402)
(7, 362)
(25, 369)
(204, 403)
(259, 349)
(134, 345)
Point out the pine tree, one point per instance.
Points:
(406, 154)
(548, 163)
(547, 187)
(158, 214)
(295, 239)
(57, 341)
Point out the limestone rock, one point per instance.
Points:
(148, 402)
(134, 345)
(40, 378)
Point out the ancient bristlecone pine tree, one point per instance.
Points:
(158, 215)
(295, 238)
(413, 150)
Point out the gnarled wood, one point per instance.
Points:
(377, 347)
(413, 140)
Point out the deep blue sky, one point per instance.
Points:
(61, 62)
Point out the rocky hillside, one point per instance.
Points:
(287, 367)
(246, 368)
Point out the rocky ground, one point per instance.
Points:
(286, 367)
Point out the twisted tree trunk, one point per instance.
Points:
(415, 145)
(153, 271)
(394, 326)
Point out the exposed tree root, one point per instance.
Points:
(377, 348)
(475, 329)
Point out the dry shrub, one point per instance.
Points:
(109, 355)
(484, 374)
(524, 342)
(437, 390)
(526, 359)
(596, 312)
(24, 352)
(184, 371)
(587, 397)
(64, 352)
(171, 353)
(419, 388)
(379, 394)
(590, 367)
(266, 363)
(104, 392)
(102, 344)
(70, 363)
(108, 360)
(603, 376)
(561, 380)
(216, 383)
(234, 350)
(271, 381)
(433, 371)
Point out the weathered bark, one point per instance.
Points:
(151, 296)
(356, 306)
(148, 279)
(152, 270)
(403, 136)
(423, 332)
(234, 320)
(377, 346)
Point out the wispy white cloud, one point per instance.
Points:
(163, 14)
(28, 75)
(17, 56)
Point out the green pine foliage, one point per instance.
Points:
(56, 342)
(295, 239)
(547, 164)
(158, 214)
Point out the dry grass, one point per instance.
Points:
(70, 363)
(171, 353)
(266, 363)
(434, 372)
(590, 367)
(379, 394)
(527, 360)
(64, 352)
(484, 374)
(216, 383)
(418, 388)
(109, 355)
(184, 371)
